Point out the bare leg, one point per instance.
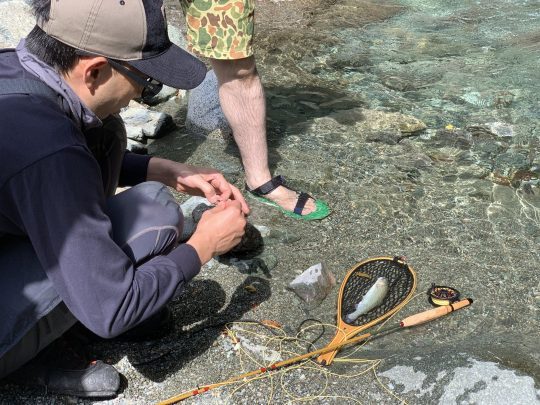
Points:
(242, 100)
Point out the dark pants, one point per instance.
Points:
(142, 237)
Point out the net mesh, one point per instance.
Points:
(400, 284)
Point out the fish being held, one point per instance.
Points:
(373, 298)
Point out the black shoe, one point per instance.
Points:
(62, 369)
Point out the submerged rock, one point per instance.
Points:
(373, 121)
(501, 129)
(456, 138)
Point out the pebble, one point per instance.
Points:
(264, 230)
(501, 129)
(313, 285)
(142, 123)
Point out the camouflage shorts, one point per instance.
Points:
(219, 29)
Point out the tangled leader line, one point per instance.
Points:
(238, 332)
(234, 330)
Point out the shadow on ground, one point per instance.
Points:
(200, 316)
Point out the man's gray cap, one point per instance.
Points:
(134, 31)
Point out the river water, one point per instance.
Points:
(451, 63)
(419, 123)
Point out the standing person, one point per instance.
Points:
(223, 31)
(71, 250)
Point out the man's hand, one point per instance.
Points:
(219, 230)
(193, 180)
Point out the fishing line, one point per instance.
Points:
(308, 366)
(282, 373)
(299, 330)
(409, 321)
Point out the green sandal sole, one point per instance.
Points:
(321, 209)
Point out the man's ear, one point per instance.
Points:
(96, 71)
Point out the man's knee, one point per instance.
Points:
(235, 69)
(159, 203)
(169, 209)
(146, 220)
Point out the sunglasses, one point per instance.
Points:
(151, 87)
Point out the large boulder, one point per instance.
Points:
(205, 116)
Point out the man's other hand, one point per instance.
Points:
(219, 230)
(193, 180)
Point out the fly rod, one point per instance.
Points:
(412, 320)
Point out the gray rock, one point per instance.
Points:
(142, 123)
(313, 285)
(136, 147)
(176, 36)
(164, 95)
(193, 202)
(135, 133)
(204, 116)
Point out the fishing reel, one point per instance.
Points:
(439, 295)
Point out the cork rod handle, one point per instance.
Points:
(434, 313)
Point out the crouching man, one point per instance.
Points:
(70, 249)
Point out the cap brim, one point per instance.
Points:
(175, 68)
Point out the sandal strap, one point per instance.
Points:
(269, 186)
(301, 202)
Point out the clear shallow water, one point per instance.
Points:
(433, 196)
(430, 197)
(460, 199)
(459, 63)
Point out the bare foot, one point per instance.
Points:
(287, 199)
